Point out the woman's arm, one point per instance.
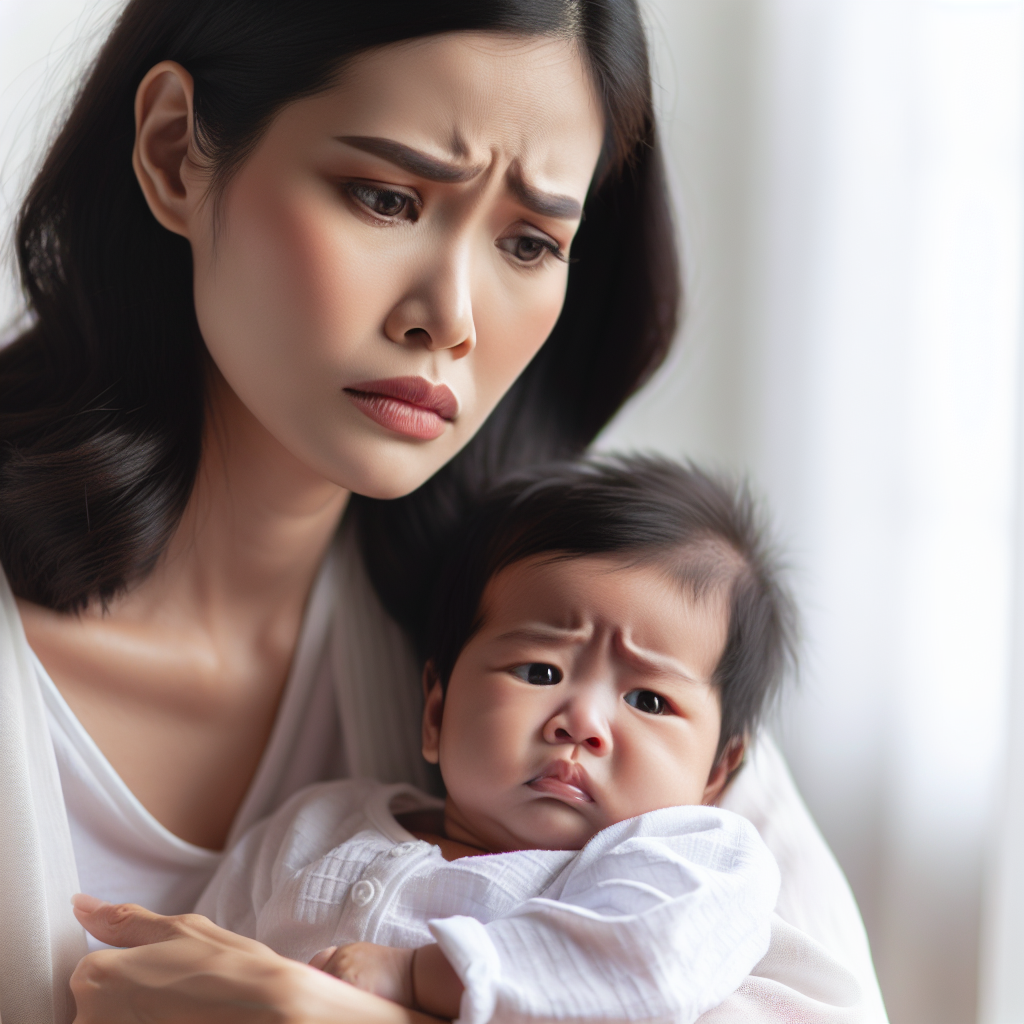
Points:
(186, 970)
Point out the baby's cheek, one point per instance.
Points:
(484, 740)
(662, 774)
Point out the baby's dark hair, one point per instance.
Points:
(707, 530)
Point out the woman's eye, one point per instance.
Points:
(383, 202)
(645, 700)
(529, 249)
(538, 674)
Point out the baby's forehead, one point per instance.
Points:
(697, 575)
(643, 597)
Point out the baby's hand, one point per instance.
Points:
(382, 970)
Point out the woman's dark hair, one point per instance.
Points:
(706, 531)
(102, 398)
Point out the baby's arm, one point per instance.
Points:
(421, 979)
(658, 918)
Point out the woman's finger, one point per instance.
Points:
(127, 924)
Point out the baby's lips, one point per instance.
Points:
(566, 779)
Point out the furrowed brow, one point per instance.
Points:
(652, 661)
(546, 204)
(421, 164)
(542, 635)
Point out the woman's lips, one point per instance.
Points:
(407, 405)
(564, 780)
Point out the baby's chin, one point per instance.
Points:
(550, 825)
(537, 824)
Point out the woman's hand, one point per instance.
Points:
(186, 970)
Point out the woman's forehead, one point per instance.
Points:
(472, 98)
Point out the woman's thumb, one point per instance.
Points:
(123, 924)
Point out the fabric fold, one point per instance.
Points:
(40, 940)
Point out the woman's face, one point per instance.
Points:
(394, 251)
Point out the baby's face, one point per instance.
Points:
(585, 698)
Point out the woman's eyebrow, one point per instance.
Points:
(412, 160)
(545, 204)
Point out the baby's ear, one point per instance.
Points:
(726, 766)
(433, 711)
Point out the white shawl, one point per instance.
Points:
(818, 967)
(40, 940)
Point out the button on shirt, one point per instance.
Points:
(658, 918)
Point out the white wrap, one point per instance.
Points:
(40, 940)
(658, 918)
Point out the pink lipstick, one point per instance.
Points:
(407, 405)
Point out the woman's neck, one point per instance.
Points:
(179, 680)
(253, 533)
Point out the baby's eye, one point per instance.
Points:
(646, 700)
(538, 674)
(382, 201)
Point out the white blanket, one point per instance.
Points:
(657, 918)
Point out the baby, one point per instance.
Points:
(603, 642)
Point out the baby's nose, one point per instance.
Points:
(581, 722)
(563, 735)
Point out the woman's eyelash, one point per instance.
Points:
(544, 245)
(389, 204)
(386, 203)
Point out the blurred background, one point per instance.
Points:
(849, 180)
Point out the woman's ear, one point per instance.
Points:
(433, 710)
(163, 157)
(725, 767)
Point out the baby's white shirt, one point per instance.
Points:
(658, 918)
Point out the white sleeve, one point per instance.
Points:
(659, 918)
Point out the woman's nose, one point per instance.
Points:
(437, 310)
(581, 724)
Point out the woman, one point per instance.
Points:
(285, 260)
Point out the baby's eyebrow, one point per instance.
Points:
(653, 662)
(540, 633)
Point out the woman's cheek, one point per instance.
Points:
(289, 304)
(512, 329)
(305, 286)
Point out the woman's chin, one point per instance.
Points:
(391, 472)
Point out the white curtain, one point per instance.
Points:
(851, 183)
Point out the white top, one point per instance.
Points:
(124, 855)
(657, 918)
(352, 650)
